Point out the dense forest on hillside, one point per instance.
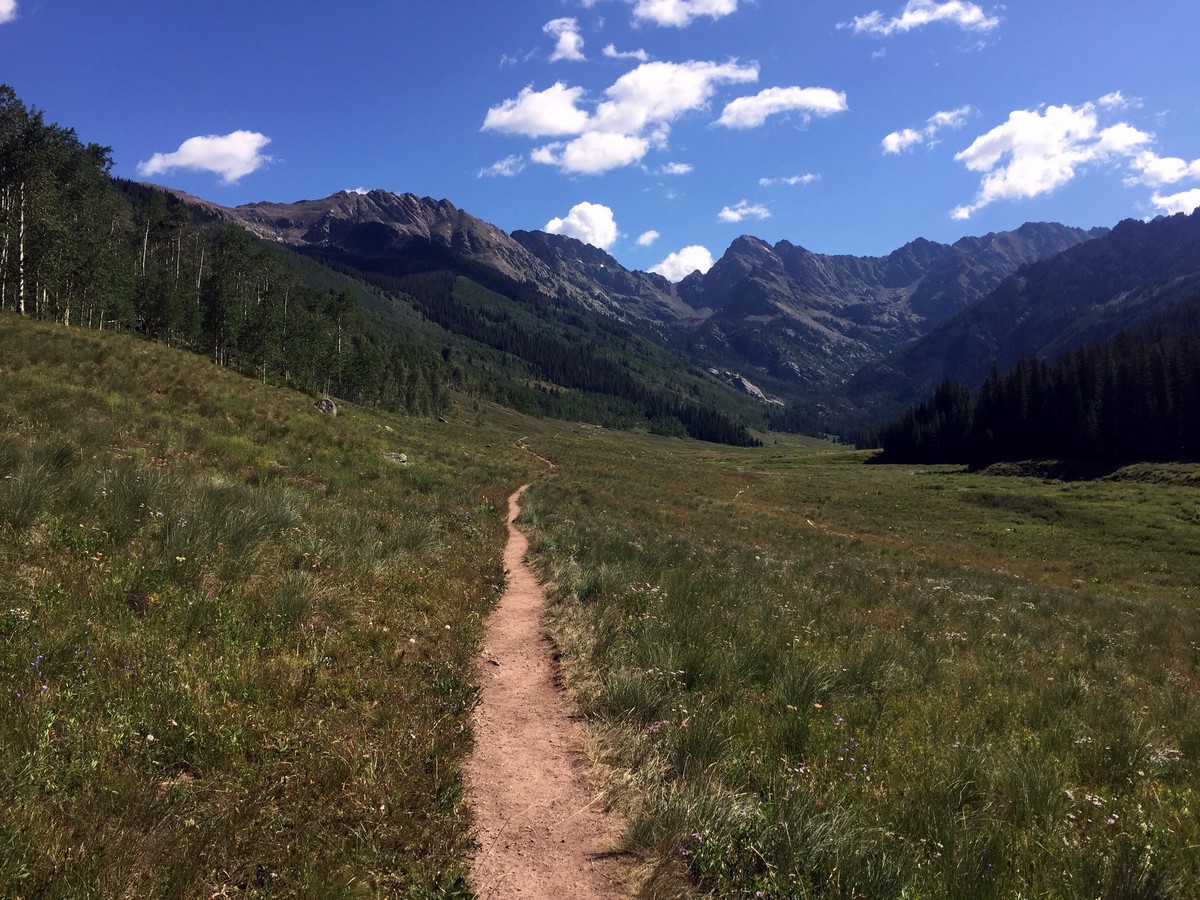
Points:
(586, 367)
(79, 248)
(1133, 397)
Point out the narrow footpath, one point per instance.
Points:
(538, 824)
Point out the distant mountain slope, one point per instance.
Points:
(624, 293)
(380, 223)
(813, 319)
(796, 324)
(1084, 294)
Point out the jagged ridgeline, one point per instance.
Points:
(83, 249)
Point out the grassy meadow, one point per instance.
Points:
(237, 647)
(815, 677)
(236, 641)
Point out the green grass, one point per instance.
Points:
(236, 643)
(237, 647)
(821, 678)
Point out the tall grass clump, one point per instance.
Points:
(236, 646)
(815, 678)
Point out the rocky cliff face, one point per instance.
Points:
(813, 319)
(625, 294)
(380, 223)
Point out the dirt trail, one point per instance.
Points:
(539, 828)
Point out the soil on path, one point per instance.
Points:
(538, 824)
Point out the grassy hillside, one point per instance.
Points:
(237, 641)
(819, 678)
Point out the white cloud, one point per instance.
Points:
(807, 178)
(750, 112)
(8, 10)
(635, 116)
(357, 190)
(681, 13)
(679, 265)
(743, 210)
(539, 113)
(612, 52)
(504, 168)
(569, 41)
(593, 152)
(899, 141)
(592, 223)
(1035, 152)
(1155, 171)
(1117, 100)
(677, 168)
(1184, 202)
(646, 238)
(232, 156)
(919, 13)
(657, 93)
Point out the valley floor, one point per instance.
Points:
(240, 646)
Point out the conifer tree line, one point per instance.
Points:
(1134, 397)
(79, 249)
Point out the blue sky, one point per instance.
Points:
(658, 129)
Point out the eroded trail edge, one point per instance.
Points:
(538, 824)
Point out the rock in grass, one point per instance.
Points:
(400, 459)
(326, 406)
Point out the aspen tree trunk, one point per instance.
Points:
(6, 206)
(21, 255)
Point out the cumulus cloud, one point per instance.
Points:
(1155, 171)
(681, 13)
(792, 181)
(677, 168)
(919, 13)
(743, 210)
(531, 113)
(1035, 152)
(646, 238)
(8, 10)
(232, 156)
(750, 112)
(504, 168)
(679, 265)
(592, 153)
(592, 223)
(636, 114)
(569, 42)
(899, 141)
(1183, 202)
(612, 52)
(659, 92)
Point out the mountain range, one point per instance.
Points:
(846, 339)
